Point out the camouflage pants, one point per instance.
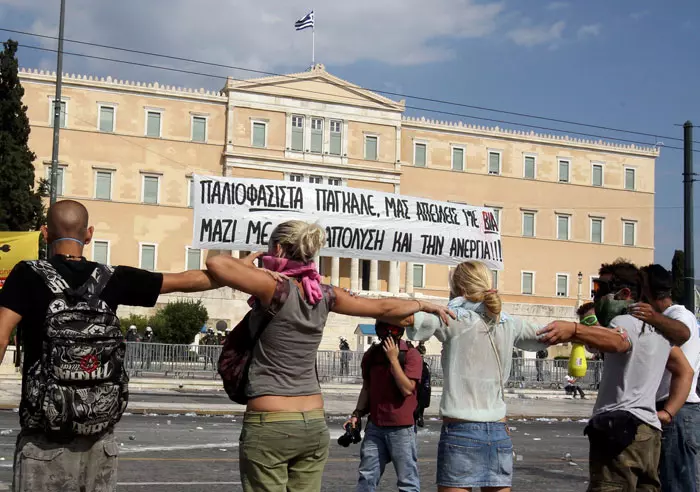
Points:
(84, 464)
(635, 469)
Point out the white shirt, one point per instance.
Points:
(691, 349)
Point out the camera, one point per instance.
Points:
(352, 434)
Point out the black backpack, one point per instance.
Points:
(79, 386)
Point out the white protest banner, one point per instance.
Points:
(240, 214)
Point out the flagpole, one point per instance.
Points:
(313, 43)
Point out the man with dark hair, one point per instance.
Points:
(74, 352)
(391, 373)
(625, 430)
(677, 466)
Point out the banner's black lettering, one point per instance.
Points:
(403, 242)
(218, 231)
(397, 208)
(355, 239)
(432, 244)
(346, 202)
(470, 219)
(473, 249)
(439, 214)
(272, 197)
(259, 231)
(205, 187)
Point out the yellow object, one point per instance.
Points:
(16, 247)
(577, 361)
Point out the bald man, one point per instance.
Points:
(73, 379)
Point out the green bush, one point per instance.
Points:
(140, 322)
(179, 321)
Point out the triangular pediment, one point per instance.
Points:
(317, 85)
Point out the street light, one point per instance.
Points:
(580, 281)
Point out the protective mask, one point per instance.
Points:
(607, 308)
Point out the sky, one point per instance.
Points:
(629, 64)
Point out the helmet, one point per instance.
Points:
(149, 329)
(132, 328)
(343, 339)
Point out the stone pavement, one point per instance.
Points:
(206, 397)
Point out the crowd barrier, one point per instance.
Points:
(199, 361)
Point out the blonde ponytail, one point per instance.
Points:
(299, 240)
(472, 280)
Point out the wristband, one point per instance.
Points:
(667, 413)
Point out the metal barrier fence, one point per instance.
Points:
(199, 361)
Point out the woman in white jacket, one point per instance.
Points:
(475, 448)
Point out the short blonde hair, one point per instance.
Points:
(472, 280)
(299, 240)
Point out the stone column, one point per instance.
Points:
(394, 277)
(335, 271)
(355, 275)
(409, 278)
(373, 275)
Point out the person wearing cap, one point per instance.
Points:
(344, 357)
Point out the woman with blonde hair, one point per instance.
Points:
(284, 441)
(475, 448)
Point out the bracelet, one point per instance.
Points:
(419, 305)
(575, 328)
(667, 413)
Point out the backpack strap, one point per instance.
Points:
(95, 284)
(53, 280)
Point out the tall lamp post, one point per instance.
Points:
(578, 297)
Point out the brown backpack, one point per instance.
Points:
(237, 354)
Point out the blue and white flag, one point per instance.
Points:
(305, 22)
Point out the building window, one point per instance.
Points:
(297, 178)
(562, 285)
(419, 154)
(457, 159)
(630, 175)
(629, 233)
(335, 181)
(529, 224)
(106, 123)
(597, 175)
(336, 137)
(563, 227)
(418, 275)
(153, 124)
(494, 279)
(59, 179)
(62, 117)
(316, 180)
(297, 133)
(494, 163)
(259, 134)
(103, 185)
(497, 216)
(529, 167)
(316, 135)
(528, 283)
(151, 185)
(563, 171)
(190, 192)
(147, 257)
(371, 147)
(100, 252)
(199, 129)
(597, 230)
(194, 259)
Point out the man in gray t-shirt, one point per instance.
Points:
(625, 430)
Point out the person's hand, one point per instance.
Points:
(664, 417)
(352, 421)
(391, 350)
(557, 332)
(442, 311)
(249, 260)
(643, 312)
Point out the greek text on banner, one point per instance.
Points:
(240, 214)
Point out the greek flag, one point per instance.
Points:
(305, 22)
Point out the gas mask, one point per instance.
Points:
(607, 308)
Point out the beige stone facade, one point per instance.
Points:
(128, 151)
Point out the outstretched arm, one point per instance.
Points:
(8, 321)
(243, 275)
(609, 340)
(189, 281)
(385, 309)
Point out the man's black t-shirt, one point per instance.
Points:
(26, 294)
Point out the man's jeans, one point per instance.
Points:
(382, 445)
(679, 448)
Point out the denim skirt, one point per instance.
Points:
(475, 454)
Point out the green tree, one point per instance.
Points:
(179, 321)
(140, 322)
(678, 272)
(21, 207)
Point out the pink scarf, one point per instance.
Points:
(305, 272)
